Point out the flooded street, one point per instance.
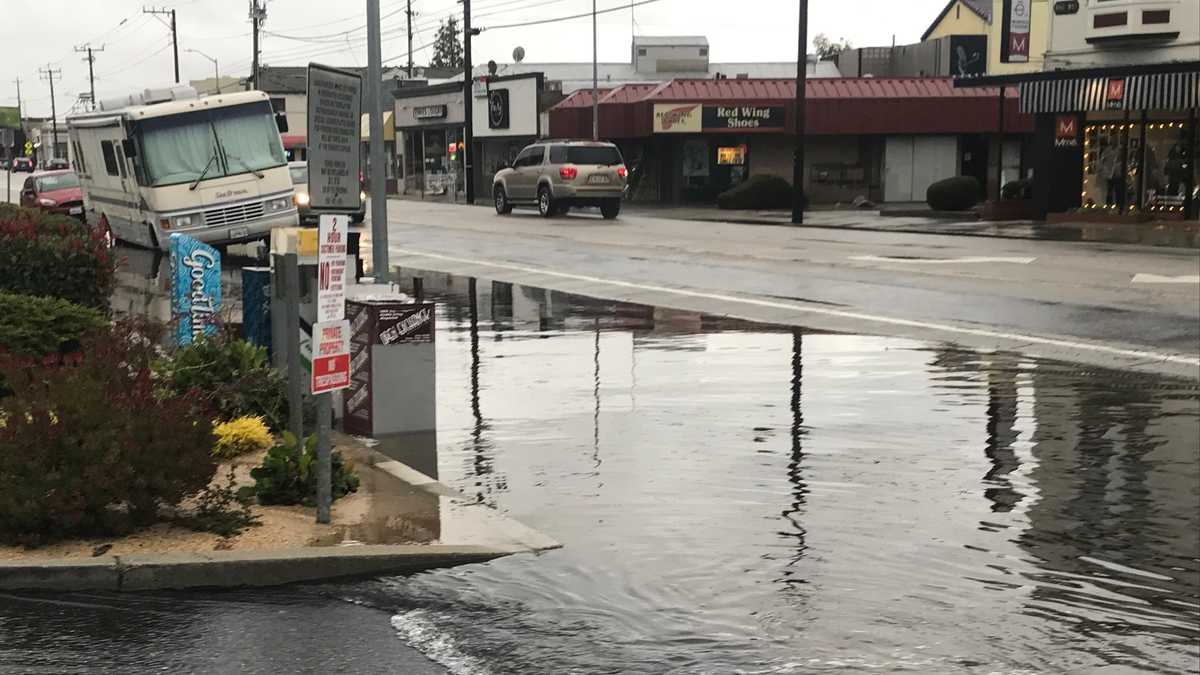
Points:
(737, 499)
(734, 497)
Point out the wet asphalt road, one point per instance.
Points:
(1059, 299)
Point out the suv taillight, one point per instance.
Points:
(621, 171)
(568, 173)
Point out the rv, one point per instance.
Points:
(167, 161)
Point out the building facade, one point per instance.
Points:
(1115, 131)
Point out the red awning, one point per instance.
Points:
(292, 141)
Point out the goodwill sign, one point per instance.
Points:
(196, 287)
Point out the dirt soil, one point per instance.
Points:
(385, 510)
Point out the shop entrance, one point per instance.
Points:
(1140, 166)
(712, 166)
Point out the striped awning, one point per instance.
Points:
(1161, 91)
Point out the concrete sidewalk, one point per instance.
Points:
(1184, 234)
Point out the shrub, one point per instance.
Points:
(95, 448)
(1017, 189)
(233, 375)
(48, 255)
(288, 474)
(220, 509)
(954, 194)
(37, 326)
(758, 192)
(240, 437)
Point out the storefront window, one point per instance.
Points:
(1109, 167)
(1168, 166)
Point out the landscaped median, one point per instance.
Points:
(399, 521)
(129, 461)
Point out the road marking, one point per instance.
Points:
(968, 260)
(1159, 279)
(1138, 354)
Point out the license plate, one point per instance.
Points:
(599, 180)
(239, 232)
(76, 210)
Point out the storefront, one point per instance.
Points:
(429, 133)
(1115, 143)
(879, 138)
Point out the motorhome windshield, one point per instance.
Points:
(178, 148)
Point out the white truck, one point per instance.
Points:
(167, 161)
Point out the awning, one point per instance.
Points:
(291, 141)
(1164, 91)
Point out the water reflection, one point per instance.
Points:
(944, 510)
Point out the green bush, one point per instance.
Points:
(954, 194)
(288, 474)
(1017, 189)
(37, 326)
(48, 255)
(758, 192)
(96, 448)
(233, 375)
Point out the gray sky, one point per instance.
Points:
(138, 54)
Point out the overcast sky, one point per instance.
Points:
(137, 51)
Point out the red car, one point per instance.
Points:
(54, 191)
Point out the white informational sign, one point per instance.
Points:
(331, 356)
(334, 138)
(332, 236)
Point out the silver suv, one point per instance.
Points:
(556, 175)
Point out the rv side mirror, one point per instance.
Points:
(281, 122)
(129, 147)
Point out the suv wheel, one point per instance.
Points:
(545, 202)
(611, 208)
(503, 207)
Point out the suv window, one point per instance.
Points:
(592, 154)
(533, 156)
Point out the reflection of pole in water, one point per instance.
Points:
(1001, 435)
(482, 463)
(795, 475)
(596, 395)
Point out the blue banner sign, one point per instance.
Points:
(196, 287)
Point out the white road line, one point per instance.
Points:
(967, 260)
(1159, 279)
(1138, 354)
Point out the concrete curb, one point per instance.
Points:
(234, 569)
(230, 569)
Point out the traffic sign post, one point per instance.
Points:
(331, 346)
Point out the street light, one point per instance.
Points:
(216, 70)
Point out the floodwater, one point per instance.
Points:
(737, 498)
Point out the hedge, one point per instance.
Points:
(36, 327)
(48, 255)
(954, 194)
(758, 192)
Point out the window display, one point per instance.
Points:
(1168, 166)
(1109, 166)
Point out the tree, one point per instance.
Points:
(827, 49)
(448, 48)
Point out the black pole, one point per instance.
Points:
(468, 108)
(254, 55)
(1000, 147)
(409, 12)
(801, 98)
(1189, 202)
(175, 45)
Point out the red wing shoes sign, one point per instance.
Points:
(674, 118)
(1016, 29)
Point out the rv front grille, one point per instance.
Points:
(232, 215)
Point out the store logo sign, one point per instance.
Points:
(677, 119)
(498, 110)
(1114, 93)
(1066, 131)
(1017, 25)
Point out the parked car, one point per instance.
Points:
(555, 176)
(57, 164)
(22, 164)
(54, 191)
(299, 171)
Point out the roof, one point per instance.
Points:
(171, 107)
(294, 79)
(628, 93)
(983, 8)
(578, 75)
(581, 99)
(670, 41)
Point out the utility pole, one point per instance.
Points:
(468, 104)
(409, 12)
(376, 161)
(174, 34)
(595, 80)
(801, 101)
(49, 74)
(258, 13)
(91, 59)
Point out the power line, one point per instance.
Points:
(174, 33)
(540, 22)
(91, 60)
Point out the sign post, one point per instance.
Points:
(334, 162)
